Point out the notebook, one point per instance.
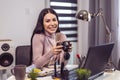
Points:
(97, 58)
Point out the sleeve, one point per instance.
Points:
(38, 59)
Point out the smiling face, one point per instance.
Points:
(50, 23)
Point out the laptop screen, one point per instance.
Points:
(97, 58)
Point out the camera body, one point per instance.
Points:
(66, 45)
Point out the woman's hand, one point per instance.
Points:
(57, 49)
(70, 47)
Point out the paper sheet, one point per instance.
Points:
(45, 78)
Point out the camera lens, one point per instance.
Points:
(66, 56)
(66, 45)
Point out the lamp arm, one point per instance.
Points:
(108, 32)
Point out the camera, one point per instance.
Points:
(66, 45)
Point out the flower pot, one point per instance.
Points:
(83, 74)
(84, 78)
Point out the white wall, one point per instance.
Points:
(18, 18)
(83, 29)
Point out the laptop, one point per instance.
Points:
(97, 58)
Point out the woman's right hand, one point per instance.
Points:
(57, 49)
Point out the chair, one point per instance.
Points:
(119, 65)
(23, 55)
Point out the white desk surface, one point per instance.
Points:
(69, 67)
(110, 76)
(40, 78)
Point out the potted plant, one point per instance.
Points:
(34, 74)
(83, 74)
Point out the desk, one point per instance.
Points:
(72, 76)
(70, 68)
(40, 78)
(110, 76)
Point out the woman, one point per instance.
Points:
(45, 36)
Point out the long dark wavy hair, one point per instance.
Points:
(39, 26)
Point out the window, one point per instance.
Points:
(66, 10)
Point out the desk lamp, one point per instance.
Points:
(86, 16)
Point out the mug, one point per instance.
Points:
(19, 71)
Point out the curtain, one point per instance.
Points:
(115, 29)
(96, 26)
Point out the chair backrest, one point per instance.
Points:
(23, 55)
(119, 65)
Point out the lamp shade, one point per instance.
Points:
(83, 15)
(86, 16)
